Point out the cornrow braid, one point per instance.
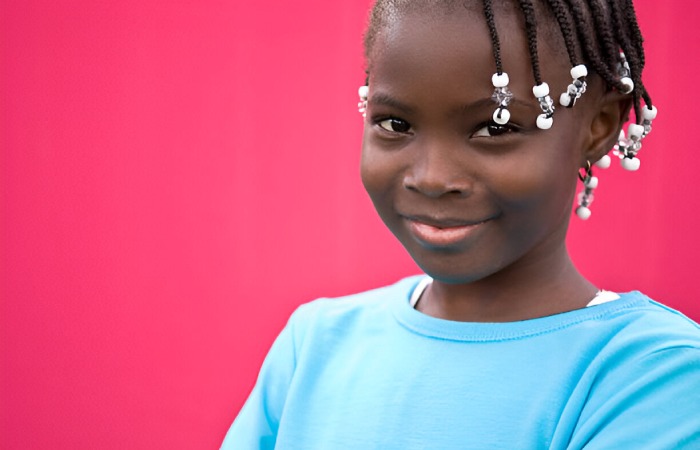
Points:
(646, 97)
(590, 47)
(531, 30)
(566, 27)
(640, 61)
(602, 34)
(620, 30)
(611, 50)
(636, 59)
(631, 18)
(631, 52)
(594, 33)
(488, 13)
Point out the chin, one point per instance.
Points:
(444, 269)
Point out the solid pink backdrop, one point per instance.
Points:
(178, 176)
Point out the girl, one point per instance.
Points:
(471, 159)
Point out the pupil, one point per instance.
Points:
(399, 126)
(496, 129)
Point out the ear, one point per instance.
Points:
(611, 114)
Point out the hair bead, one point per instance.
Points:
(544, 120)
(577, 87)
(579, 71)
(630, 163)
(541, 90)
(363, 92)
(604, 162)
(502, 96)
(600, 36)
(649, 113)
(500, 80)
(585, 198)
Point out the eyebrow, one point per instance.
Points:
(489, 102)
(381, 98)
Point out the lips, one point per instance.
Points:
(442, 232)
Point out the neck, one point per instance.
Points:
(527, 291)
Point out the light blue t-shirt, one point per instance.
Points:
(369, 372)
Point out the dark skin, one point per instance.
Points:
(482, 209)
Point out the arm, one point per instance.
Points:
(652, 403)
(255, 427)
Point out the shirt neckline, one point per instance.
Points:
(602, 296)
(429, 326)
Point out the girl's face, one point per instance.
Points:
(468, 199)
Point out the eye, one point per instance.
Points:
(493, 129)
(395, 125)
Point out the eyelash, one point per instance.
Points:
(493, 126)
(492, 129)
(393, 121)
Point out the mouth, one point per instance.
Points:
(443, 232)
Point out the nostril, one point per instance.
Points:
(437, 170)
(410, 187)
(435, 187)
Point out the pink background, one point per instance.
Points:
(177, 176)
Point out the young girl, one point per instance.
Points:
(480, 119)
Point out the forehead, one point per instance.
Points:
(384, 12)
(454, 46)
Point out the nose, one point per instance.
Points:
(438, 171)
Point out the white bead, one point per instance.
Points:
(628, 85)
(630, 164)
(579, 71)
(583, 212)
(544, 122)
(649, 113)
(504, 116)
(635, 131)
(564, 99)
(363, 92)
(541, 90)
(592, 183)
(500, 80)
(603, 162)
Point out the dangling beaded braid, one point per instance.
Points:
(578, 70)
(585, 198)
(541, 89)
(501, 93)
(602, 33)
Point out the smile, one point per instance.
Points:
(442, 233)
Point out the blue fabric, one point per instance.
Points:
(369, 372)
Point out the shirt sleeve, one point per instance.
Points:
(653, 403)
(255, 427)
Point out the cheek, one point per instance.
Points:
(538, 180)
(368, 169)
(378, 171)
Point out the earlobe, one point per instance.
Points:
(613, 112)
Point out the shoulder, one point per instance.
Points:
(639, 331)
(350, 307)
(641, 386)
(652, 323)
(326, 321)
(648, 347)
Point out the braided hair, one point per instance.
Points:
(603, 34)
